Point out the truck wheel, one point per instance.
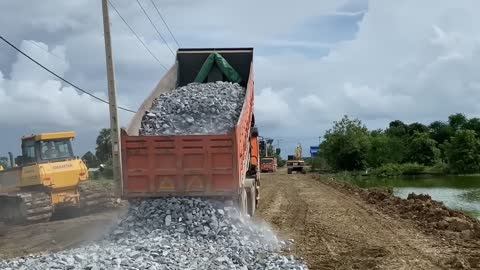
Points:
(251, 201)
(304, 171)
(242, 202)
(289, 171)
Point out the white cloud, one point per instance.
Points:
(32, 97)
(272, 108)
(416, 69)
(409, 60)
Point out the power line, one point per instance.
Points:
(156, 29)
(59, 77)
(135, 34)
(168, 28)
(46, 50)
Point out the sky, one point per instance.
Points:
(315, 61)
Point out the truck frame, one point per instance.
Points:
(223, 166)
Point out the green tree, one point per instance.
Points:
(473, 124)
(463, 152)
(422, 150)
(90, 159)
(440, 131)
(457, 121)
(416, 127)
(384, 149)
(103, 151)
(376, 132)
(107, 171)
(4, 162)
(280, 161)
(346, 145)
(397, 129)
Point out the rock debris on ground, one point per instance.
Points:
(197, 108)
(173, 233)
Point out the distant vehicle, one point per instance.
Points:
(295, 163)
(268, 164)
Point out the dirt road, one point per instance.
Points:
(334, 230)
(56, 235)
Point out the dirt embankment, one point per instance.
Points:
(453, 227)
(431, 215)
(335, 227)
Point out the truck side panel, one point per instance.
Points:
(156, 166)
(243, 128)
(196, 165)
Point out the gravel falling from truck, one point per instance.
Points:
(197, 108)
(173, 233)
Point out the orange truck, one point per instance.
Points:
(224, 166)
(268, 164)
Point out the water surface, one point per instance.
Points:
(456, 192)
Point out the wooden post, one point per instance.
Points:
(112, 99)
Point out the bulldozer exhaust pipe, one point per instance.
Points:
(12, 162)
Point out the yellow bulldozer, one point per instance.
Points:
(47, 177)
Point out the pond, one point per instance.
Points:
(456, 192)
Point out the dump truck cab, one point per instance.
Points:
(268, 164)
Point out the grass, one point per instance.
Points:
(103, 182)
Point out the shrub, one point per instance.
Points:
(387, 170)
(411, 168)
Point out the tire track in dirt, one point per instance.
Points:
(335, 231)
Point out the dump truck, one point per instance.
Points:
(295, 163)
(222, 166)
(48, 177)
(268, 164)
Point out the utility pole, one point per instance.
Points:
(112, 99)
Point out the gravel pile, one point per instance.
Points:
(174, 233)
(207, 108)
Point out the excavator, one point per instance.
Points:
(296, 163)
(47, 178)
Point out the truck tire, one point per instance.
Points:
(304, 171)
(289, 171)
(242, 202)
(251, 201)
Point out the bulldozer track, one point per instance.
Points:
(91, 199)
(35, 206)
(25, 207)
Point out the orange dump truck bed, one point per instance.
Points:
(192, 165)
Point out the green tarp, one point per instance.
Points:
(223, 65)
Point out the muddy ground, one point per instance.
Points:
(56, 235)
(335, 228)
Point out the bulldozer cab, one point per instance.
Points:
(47, 147)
